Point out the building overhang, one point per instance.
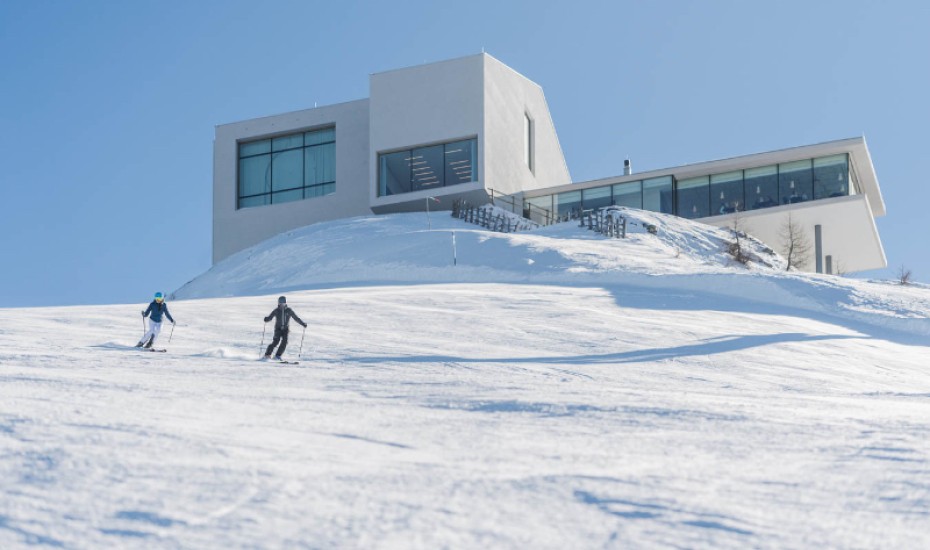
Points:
(860, 164)
(850, 236)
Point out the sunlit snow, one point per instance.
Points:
(553, 389)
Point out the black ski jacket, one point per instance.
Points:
(282, 315)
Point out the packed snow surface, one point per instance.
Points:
(554, 389)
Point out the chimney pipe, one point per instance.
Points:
(627, 167)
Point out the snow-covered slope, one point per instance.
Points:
(607, 395)
(684, 256)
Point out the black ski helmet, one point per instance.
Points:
(282, 300)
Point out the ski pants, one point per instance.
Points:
(280, 335)
(154, 329)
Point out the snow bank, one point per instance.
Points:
(683, 254)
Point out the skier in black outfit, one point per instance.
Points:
(282, 315)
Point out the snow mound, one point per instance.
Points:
(680, 256)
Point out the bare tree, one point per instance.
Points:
(795, 244)
(839, 269)
(735, 247)
(904, 275)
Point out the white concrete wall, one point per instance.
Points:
(234, 230)
(425, 105)
(508, 96)
(474, 96)
(849, 232)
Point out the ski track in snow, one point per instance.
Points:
(640, 411)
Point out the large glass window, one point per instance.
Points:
(694, 197)
(761, 185)
(460, 162)
(568, 203)
(538, 209)
(726, 193)
(287, 168)
(658, 195)
(795, 182)
(628, 194)
(831, 177)
(395, 173)
(427, 168)
(597, 197)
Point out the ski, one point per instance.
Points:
(156, 350)
(280, 361)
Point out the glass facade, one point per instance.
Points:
(628, 194)
(658, 195)
(726, 193)
(694, 197)
(761, 185)
(831, 177)
(714, 194)
(287, 168)
(795, 182)
(425, 168)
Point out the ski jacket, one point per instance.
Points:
(282, 315)
(156, 310)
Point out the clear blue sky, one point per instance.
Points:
(107, 109)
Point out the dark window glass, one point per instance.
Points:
(328, 158)
(694, 197)
(460, 162)
(568, 203)
(395, 173)
(254, 148)
(260, 200)
(284, 143)
(287, 171)
(795, 182)
(538, 209)
(427, 169)
(658, 195)
(320, 136)
(287, 196)
(629, 194)
(831, 177)
(254, 175)
(597, 197)
(761, 187)
(726, 193)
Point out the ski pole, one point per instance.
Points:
(301, 342)
(261, 347)
(143, 325)
(172, 333)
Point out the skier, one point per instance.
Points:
(282, 315)
(156, 309)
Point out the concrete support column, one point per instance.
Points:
(818, 248)
(829, 264)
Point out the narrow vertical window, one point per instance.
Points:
(528, 140)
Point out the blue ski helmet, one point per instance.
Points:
(159, 296)
(282, 300)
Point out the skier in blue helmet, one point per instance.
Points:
(156, 309)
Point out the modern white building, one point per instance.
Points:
(474, 128)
